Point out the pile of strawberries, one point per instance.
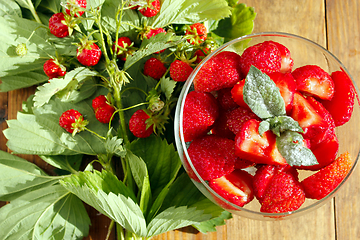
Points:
(223, 132)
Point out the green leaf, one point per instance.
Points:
(22, 71)
(67, 88)
(41, 134)
(154, 44)
(175, 218)
(210, 225)
(189, 11)
(19, 177)
(291, 147)
(47, 213)
(109, 196)
(51, 5)
(264, 126)
(239, 24)
(63, 162)
(162, 161)
(114, 145)
(9, 7)
(141, 177)
(281, 124)
(167, 86)
(262, 95)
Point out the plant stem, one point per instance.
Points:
(33, 12)
(111, 226)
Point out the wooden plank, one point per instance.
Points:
(344, 42)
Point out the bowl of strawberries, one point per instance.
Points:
(266, 126)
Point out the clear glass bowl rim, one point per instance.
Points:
(179, 136)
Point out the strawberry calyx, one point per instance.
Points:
(79, 125)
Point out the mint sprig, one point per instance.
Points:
(263, 97)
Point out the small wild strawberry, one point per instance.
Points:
(58, 26)
(154, 68)
(72, 121)
(180, 71)
(73, 7)
(138, 125)
(54, 69)
(197, 33)
(200, 54)
(154, 31)
(151, 9)
(123, 48)
(88, 53)
(103, 111)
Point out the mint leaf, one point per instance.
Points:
(19, 176)
(210, 225)
(264, 126)
(175, 218)
(189, 11)
(240, 23)
(291, 147)
(109, 196)
(281, 124)
(67, 88)
(49, 212)
(262, 95)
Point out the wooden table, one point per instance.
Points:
(334, 24)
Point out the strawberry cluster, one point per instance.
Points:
(226, 137)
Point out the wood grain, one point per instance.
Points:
(333, 24)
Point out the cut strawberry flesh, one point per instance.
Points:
(287, 86)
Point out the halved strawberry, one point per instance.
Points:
(286, 61)
(251, 146)
(314, 81)
(321, 183)
(287, 86)
(236, 187)
(265, 56)
(221, 71)
(238, 95)
(200, 112)
(263, 176)
(212, 156)
(283, 194)
(342, 104)
(314, 123)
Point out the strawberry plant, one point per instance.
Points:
(100, 104)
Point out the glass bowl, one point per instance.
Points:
(303, 52)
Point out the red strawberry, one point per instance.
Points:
(123, 47)
(237, 117)
(212, 156)
(72, 121)
(225, 99)
(154, 31)
(88, 53)
(264, 56)
(283, 194)
(221, 71)
(58, 25)
(265, 174)
(154, 68)
(251, 146)
(342, 104)
(180, 71)
(199, 114)
(321, 183)
(103, 111)
(238, 95)
(287, 86)
(314, 81)
(312, 118)
(220, 127)
(53, 69)
(138, 125)
(99, 101)
(236, 187)
(200, 54)
(286, 61)
(73, 7)
(151, 9)
(197, 33)
(242, 163)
